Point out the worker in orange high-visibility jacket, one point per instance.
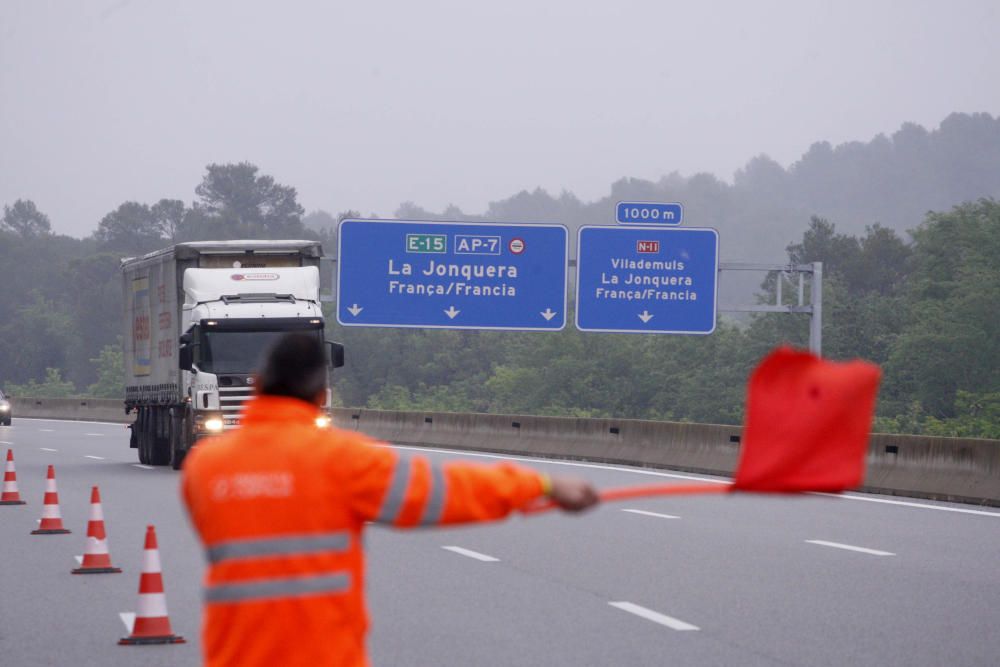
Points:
(280, 506)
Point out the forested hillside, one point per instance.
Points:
(908, 227)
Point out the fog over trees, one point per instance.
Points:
(908, 228)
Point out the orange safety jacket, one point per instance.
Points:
(280, 505)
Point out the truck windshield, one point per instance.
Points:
(235, 352)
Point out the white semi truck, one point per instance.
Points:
(198, 318)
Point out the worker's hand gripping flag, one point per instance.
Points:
(807, 427)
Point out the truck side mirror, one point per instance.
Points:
(185, 357)
(335, 354)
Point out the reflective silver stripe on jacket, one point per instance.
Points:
(269, 589)
(434, 509)
(393, 502)
(290, 545)
(392, 505)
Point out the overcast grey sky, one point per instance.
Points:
(365, 105)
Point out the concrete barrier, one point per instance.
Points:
(956, 469)
(78, 409)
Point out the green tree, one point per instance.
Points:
(131, 229)
(53, 386)
(38, 336)
(237, 202)
(951, 341)
(110, 373)
(168, 215)
(24, 219)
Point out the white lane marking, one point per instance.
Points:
(848, 547)
(88, 456)
(144, 467)
(559, 462)
(656, 514)
(48, 449)
(128, 618)
(472, 554)
(47, 430)
(78, 559)
(4, 442)
(904, 503)
(69, 421)
(97, 434)
(654, 616)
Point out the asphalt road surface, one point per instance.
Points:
(713, 580)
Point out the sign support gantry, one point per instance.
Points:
(814, 308)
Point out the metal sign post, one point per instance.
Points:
(814, 308)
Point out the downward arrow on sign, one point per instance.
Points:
(548, 314)
(645, 316)
(355, 309)
(451, 312)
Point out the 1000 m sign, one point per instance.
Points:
(628, 212)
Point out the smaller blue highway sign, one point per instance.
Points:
(648, 213)
(453, 275)
(647, 279)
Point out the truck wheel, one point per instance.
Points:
(159, 450)
(178, 437)
(141, 432)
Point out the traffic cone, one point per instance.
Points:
(10, 496)
(96, 559)
(152, 625)
(51, 523)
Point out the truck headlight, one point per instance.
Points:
(323, 421)
(213, 424)
(4, 407)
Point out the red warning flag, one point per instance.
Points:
(807, 423)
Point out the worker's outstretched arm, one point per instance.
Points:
(413, 491)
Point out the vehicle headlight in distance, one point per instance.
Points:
(4, 406)
(323, 421)
(213, 424)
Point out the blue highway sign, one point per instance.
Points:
(648, 213)
(647, 279)
(452, 275)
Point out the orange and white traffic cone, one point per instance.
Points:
(10, 496)
(152, 624)
(51, 523)
(96, 559)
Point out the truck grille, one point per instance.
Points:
(232, 400)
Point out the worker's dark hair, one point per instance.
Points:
(295, 366)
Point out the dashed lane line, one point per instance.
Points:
(656, 514)
(655, 616)
(472, 554)
(144, 467)
(99, 435)
(48, 449)
(47, 430)
(89, 456)
(5, 442)
(850, 547)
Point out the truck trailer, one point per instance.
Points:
(198, 318)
